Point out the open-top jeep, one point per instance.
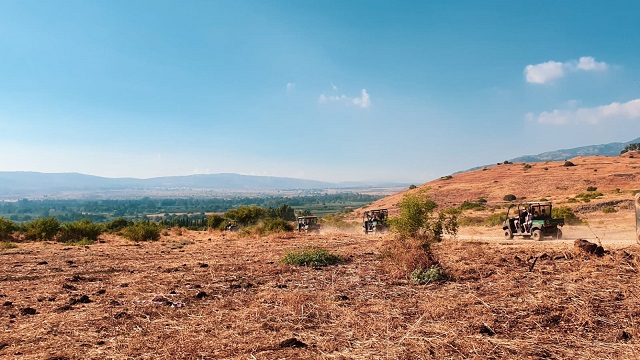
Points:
(375, 221)
(531, 220)
(308, 224)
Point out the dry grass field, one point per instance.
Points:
(212, 295)
(209, 295)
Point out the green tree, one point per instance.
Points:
(79, 230)
(142, 231)
(284, 212)
(246, 215)
(417, 220)
(7, 227)
(41, 229)
(216, 221)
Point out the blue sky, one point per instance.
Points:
(328, 90)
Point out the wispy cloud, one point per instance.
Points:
(629, 110)
(291, 86)
(363, 101)
(549, 71)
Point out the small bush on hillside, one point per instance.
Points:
(482, 201)
(527, 166)
(468, 205)
(609, 210)
(587, 197)
(416, 220)
(246, 215)
(448, 177)
(284, 212)
(79, 230)
(495, 219)
(116, 225)
(509, 197)
(569, 163)
(7, 228)
(428, 276)
(313, 257)
(41, 229)
(216, 221)
(278, 225)
(592, 188)
(142, 231)
(566, 213)
(411, 187)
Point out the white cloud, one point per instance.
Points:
(594, 115)
(291, 86)
(363, 101)
(546, 72)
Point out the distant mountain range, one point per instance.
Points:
(19, 183)
(611, 149)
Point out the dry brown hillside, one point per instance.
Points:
(615, 177)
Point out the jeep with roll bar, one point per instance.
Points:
(308, 224)
(375, 221)
(532, 220)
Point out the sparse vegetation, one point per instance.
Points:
(609, 210)
(411, 187)
(569, 163)
(313, 257)
(448, 177)
(7, 228)
(6, 245)
(526, 166)
(592, 188)
(566, 213)
(630, 147)
(587, 197)
(142, 231)
(41, 229)
(80, 230)
(509, 197)
(428, 276)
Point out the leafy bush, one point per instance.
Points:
(566, 213)
(468, 205)
(569, 163)
(216, 221)
(7, 228)
(630, 147)
(526, 166)
(416, 220)
(495, 219)
(277, 225)
(587, 197)
(509, 197)
(448, 177)
(311, 257)
(82, 229)
(142, 231)
(592, 188)
(116, 225)
(41, 229)
(431, 275)
(411, 187)
(284, 212)
(609, 210)
(246, 215)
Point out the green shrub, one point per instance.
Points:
(587, 197)
(566, 213)
(609, 210)
(431, 275)
(142, 231)
(277, 225)
(482, 201)
(569, 163)
(592, 188)
(116, 225)
(495, 219)
(41, 229)
(416, 220)
(509, 197)
(468, 205)
(448, 177)
(314, 257)
(246, 215)
(216, 221)
(81, 242)
(411, 187)
(79, 230)
(7, 228)
(527, 166)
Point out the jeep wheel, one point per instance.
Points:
(536, 235)
(508, 234)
